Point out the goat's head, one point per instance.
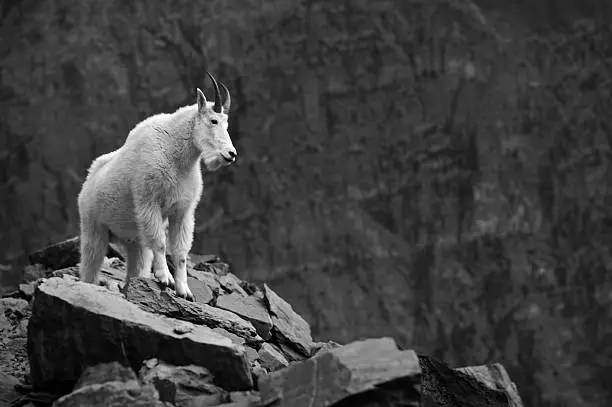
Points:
(210, 129)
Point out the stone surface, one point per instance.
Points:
(75, 324)
(272, 358)
(62, 254)
(149, 296)
(249, 308)
(207, 277)
(289, 352)
(110, 384)
(252, 355)
(14, 314)
(231, 284)
(471, 386)
(234, 338)
(172, 341)
(495, 377)
(180, 385)
(216, 267)
(201, 291)
(363, 370)
(289, 328)
(244, 397)
(8, 394)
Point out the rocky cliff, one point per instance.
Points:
(67, 343)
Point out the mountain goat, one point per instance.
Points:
(143, 195)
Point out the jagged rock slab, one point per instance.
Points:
(249, 308)
(495, 377)
(148, 295)
(182, 385)
(471, 386)
(289, 352)
(371, 370)
(201, 291)
(218, 268)
(110, 384)
(63, 254)
(75, 324)
(206, 277)
(271, 358)
(289, 328)
(231, 284)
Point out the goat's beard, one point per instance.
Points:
(212, 162)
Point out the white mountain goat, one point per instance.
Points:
(153, 182)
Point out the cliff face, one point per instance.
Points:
(419, 170)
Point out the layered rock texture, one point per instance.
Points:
(68, 343)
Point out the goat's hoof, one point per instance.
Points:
(186, 297)
(165, 278)
(183, 291)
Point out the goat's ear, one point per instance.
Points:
(201, 100)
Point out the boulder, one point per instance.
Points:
(272, 358)
(289, 328)
(74, 325)
(364, 373)
(109, 385)
(471, 386)
(182, 385)
(250, 308)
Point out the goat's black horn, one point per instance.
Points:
(228, 99)
(217, 105)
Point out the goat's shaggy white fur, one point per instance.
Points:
(144, 194)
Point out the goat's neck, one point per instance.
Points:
(186, 155)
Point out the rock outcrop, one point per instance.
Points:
(237, 345)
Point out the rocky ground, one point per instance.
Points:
(67, 343)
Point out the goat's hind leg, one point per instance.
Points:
(94, 245)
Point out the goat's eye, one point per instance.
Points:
(214, 121)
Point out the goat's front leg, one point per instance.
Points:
(180, 239)
(153, 234)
